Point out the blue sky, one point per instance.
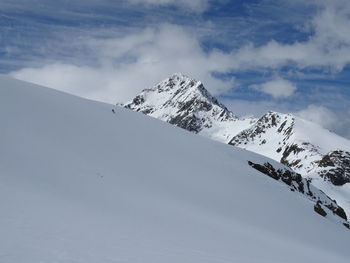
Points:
(256, 55)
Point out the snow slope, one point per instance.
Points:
(81, 184)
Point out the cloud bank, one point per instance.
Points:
(133, 61)
(336, 122)
(128, 64)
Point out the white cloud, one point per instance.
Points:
(255, 108)
(277, 88)
(320, 115)
(328, 47)
(131, 63)
(338, 123)
(192, 5)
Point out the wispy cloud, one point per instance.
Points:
(339, 123)
(328, 46)
(277, 88)
(193, 5)
(128, 64)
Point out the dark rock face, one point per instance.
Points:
(337, 167)
(339, 211)
(291, 149)
(297, 183)
(188, 122)
(319, 210)
(294, 180)
(138, 100)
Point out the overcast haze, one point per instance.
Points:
(287, 56)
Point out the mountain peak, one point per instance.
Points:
(176, 81)
(278, 114)
(182, 101)
(180, 76)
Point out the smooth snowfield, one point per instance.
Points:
(79, 184)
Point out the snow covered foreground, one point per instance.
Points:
(79, 184)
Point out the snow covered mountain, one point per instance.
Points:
(82, 183)
(307, 148)
(304, 146)
(185, 102)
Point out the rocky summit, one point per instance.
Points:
(186, 103)
(181, 101)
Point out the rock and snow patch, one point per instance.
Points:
(296, 182)
(335, 166)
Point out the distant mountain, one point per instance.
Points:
(306, 147)
(86, 182)
(185, 102)
(302, 145)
